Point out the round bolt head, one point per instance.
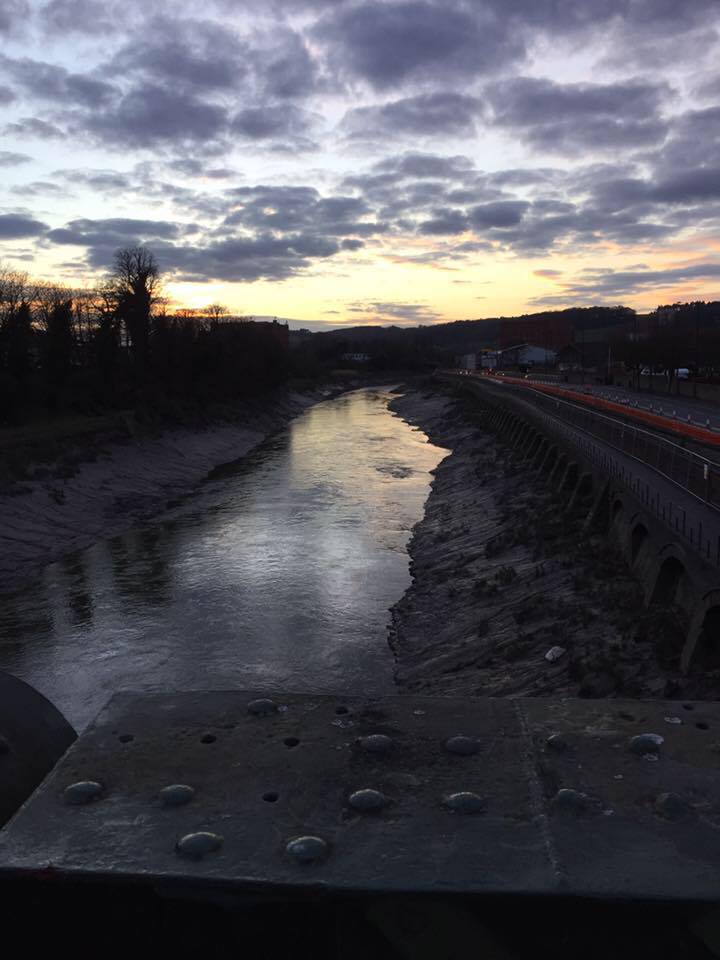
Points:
(571, 802)
(194, 846)
(307, 849)
(672, 807)
(85, 791)
(646, 743)
(176, 795)
(376, 743)
(260, 708)
(464, 802)
(367, 800)
(462, 746)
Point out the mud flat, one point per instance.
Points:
(102, 483)
(502, 574)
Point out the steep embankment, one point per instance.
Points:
(100, 484)
(502, 573)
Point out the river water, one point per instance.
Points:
(277, 573)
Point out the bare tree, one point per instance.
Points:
(215, 311)
(135, 283)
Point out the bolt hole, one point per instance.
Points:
(340, 711)
(703, 726)
(126, 738)
(627, 716)
(688, 706)
(208, 738)
(271, 797)
(291, 741)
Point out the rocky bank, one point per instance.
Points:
(503, 573)
(96, 485)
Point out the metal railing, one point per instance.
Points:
(692, 472)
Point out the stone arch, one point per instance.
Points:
(638, 538)
(707, 645)
(617, 507)
(667, 581)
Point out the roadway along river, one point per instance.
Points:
(277, 573)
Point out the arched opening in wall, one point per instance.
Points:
(668, 580)
(616, 508)
(707, 651)
(637, 539)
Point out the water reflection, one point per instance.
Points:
(278, 571)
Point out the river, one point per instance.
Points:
(276, 573)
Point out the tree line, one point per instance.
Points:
(118, 346)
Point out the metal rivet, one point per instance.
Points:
(557, 742)
(464, 802)
(646, 743)
(176, 795)
(262, 707)
(307, 849)
(376, 743)
(85, 791)
(367, 800)
(672, 807)
(570, 801)
(461, 745)
(196, 845)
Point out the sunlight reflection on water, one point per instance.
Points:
(277, 572)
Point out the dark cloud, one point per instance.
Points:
(612, 285)
(14, 226)
(104, 181)
(286, 209)
(445, 222)
(439, 114)
(13, 13)
(282, 121)
(152, 115)
(113, 232)
(35, 128)
(196, 55)
(47, 81)
(6, 95)
(392, 311)
(388, 43)
(576, 116)
(503, 213)
(10, 159)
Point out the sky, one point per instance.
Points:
(367, 162)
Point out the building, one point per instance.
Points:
(524, 356)
(468, 361)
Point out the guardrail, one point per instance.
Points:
(686, 429)
(691, 473)
(697, 475)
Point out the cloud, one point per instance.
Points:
(14, 226)
(273, 122)
(503, 213)
(576, 116)
(113, 232)
(440, 114)
(548, 273)
(607, 284)
(393, 311)
(152, 115)
(10, 159)
(47, 81)
(386, 44)
(13, 13)
(35, 128)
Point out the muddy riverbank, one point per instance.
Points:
(503, 573)
(95, 484)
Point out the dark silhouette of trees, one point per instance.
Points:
(134, 284)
